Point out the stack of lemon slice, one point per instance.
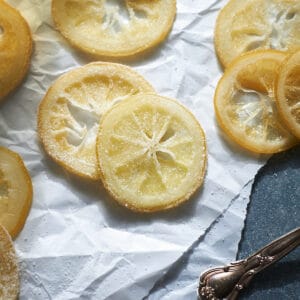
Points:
(149, 151)
(257, 99)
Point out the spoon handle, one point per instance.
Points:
(227, 282)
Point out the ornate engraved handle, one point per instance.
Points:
(226, 282)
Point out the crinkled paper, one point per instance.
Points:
(77, 243)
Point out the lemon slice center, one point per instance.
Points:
(78, 111)
(255, 113)
(114, 16)
(150, 154)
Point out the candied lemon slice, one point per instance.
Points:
(15, 48)
(9, 272)
(245, 104)
(288, 92)
(69, 114)
(114, 28)
(245, 25)
(15, 191)
(151, 152)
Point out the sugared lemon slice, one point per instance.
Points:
(114, 28)
(15, 48)
(246, 25)
(15, 191)
(151, 152)
(245, 103)
(69, 114)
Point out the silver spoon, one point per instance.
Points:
(226, 282)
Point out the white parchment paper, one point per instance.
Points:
(77, 243)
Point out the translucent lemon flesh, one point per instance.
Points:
(151, 152)
(248, 25)
(288, 92)
(70, 112)
(245, 103)
(114, 27)
(15, 192)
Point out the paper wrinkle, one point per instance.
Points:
(78, 243)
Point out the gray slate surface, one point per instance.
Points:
(274, 210)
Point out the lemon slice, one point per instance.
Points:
(288, 92)
(69, 114)
(9, 272)
(112, 27)
(245, 104)
(245, 25)
(15, 191)
(15, 48)
(151, 152)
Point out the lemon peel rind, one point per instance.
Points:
(175, 202)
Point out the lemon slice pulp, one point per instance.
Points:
(288, 92)
(151, 152)
(9, 273)
(248, 25)
(69, 114)
(15, 191)
(114, 28)
(245, 103)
